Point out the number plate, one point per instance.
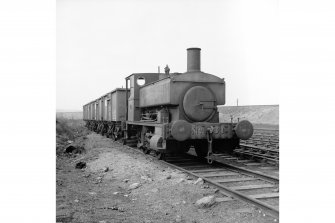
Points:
(220, 130)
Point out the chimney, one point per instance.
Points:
(193, 59)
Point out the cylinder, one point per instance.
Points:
(193, 59)
(156, 142)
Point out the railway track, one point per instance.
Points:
(234, 182)
(263, 145)
(237, 179)
(263, 168)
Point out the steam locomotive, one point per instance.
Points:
(168, 112)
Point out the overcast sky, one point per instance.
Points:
(100, 42)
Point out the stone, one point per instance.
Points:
(180, 180)
(168, 176)
(98, 180)
(113, 208)
(146, 178)
(126, 180)
(134, 186)
(92, 193)
(176, 203)
(80, 165)
(178, 218)
(199, 181)
(105, 169)
(74, 149)
(189, 181)
(121, 209)
(115, 193)
(205, 201)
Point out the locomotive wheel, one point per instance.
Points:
(117, 136)
(177, 147)
(185, 147)
(201, 149)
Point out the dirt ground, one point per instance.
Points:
(101, 192)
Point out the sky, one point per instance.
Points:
(100, 42)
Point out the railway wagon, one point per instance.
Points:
(169, 113)
(105, 114)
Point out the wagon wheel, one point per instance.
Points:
(118, 135)
(102, 131)
(113, 136)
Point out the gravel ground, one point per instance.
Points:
(101, 192)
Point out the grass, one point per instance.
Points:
(68, 129)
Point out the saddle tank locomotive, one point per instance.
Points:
(169, 113)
